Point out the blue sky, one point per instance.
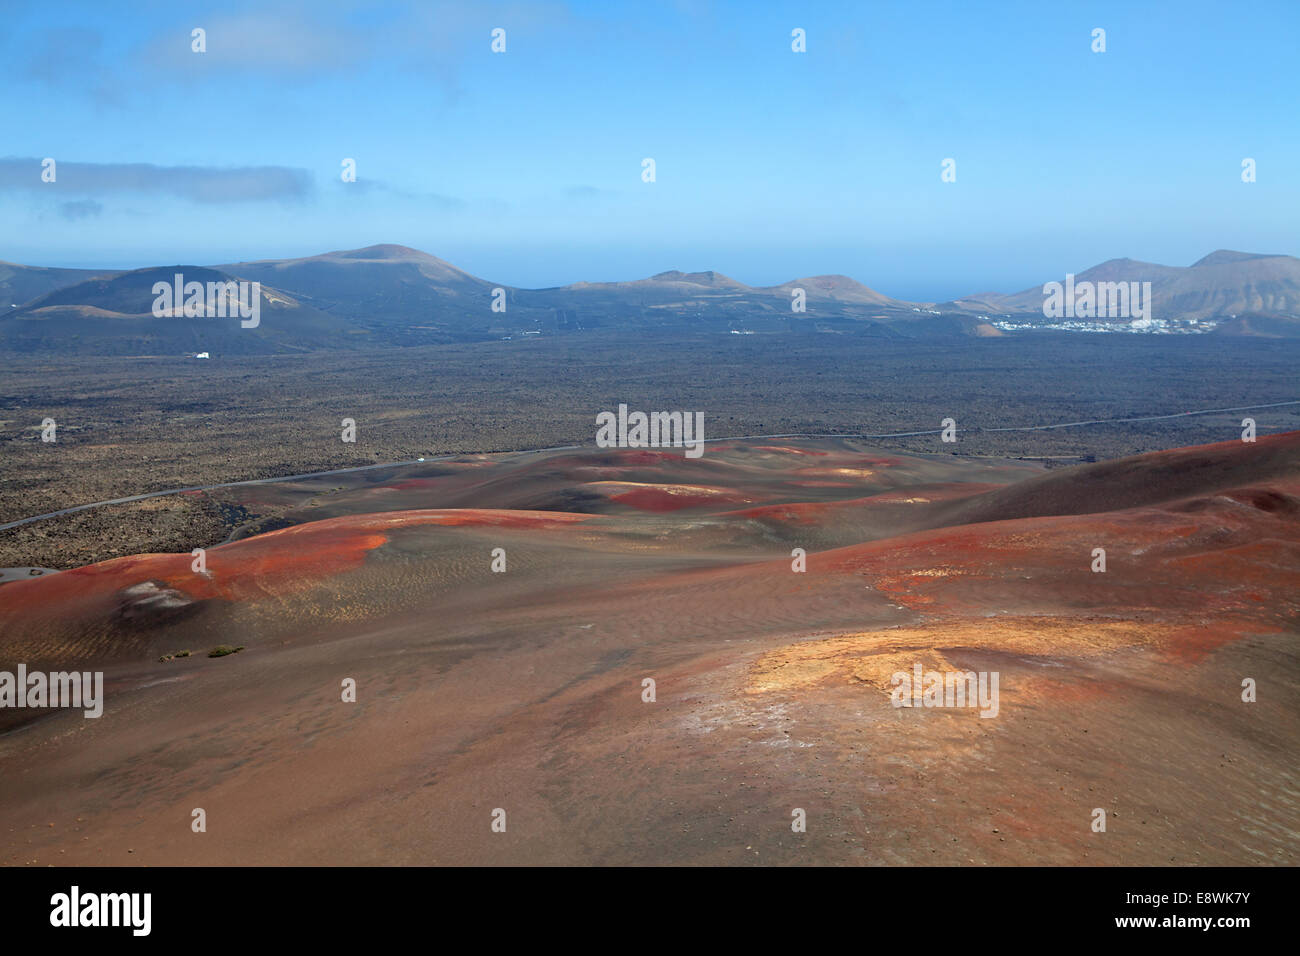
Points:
(525, 167)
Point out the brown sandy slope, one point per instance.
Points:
(523, 690)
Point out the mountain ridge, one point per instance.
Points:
(391, 294)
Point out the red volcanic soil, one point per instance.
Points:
(774, 670)
(813, 513)
(669, 497)
(785, 450)
(271, 565)
(624, 457)
(288, 558)
(1147, 479)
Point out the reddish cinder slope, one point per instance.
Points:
(633, 481)
(1147, 479)
(1121, 689)
(41, 613)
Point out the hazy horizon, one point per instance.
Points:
(738, 275)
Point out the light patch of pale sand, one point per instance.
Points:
(668, 489)
(842, 472)
(873, 657)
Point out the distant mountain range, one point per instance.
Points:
(1222, 284)
(389, 295)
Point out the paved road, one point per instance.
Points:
(416, 461)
